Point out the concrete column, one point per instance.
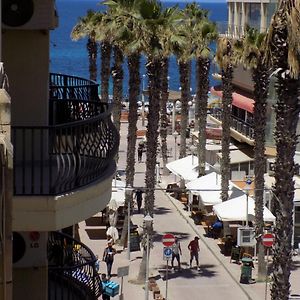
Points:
(245, 15)
(236, 18)
(263, 17)
(230, 14)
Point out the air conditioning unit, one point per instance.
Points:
(271, 167)
(246, 236)
(29, 14)
(29, 249)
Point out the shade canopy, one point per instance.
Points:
(208, 187)
(186, 168)
(235, 210)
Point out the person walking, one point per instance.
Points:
(108, 257)
(176, 252)
(139, 199)
(194, 251)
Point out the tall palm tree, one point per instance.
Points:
(224, 59)
(167, 36)
(154, 20)
(283, 51)
(85, 27)
(205, 33)
(250, 52)
(128, 29)
(104, 36)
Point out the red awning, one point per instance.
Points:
(238, 100)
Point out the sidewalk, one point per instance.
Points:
(218, 277)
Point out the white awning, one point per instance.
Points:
(235, 210)
(208, 187)
(237, 157)
(186, 168)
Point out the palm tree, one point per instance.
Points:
(205, 33)
(154, 20)
(224, 59)
(103, 35)
(127, 28)
(283, 54)
(250, 51)
(85, 27)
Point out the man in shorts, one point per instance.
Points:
(194, 251)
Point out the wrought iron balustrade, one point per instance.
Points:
(72, 269)
(237, 124)
(50, 160)
(68, 87)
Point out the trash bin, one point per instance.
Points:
(246, 270)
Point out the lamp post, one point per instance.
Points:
(143, 101)
(148, 220)
(174, 115)
(247, 189)
(128, 194)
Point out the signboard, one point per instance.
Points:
(134, 241)
(123, 271)
(268, 239)
(246, 236)
(168, 240)
(167, 253)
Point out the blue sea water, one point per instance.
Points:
(70, 57)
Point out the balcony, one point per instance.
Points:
(240, 130)
(71, 269)
(236, 31)
(69, 162)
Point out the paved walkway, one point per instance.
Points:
(217, 278)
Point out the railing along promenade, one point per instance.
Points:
(237, 124)
(76, 149)
(71, 269)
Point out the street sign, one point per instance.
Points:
(168, 240)
(167, 253)
(249, 179)
(268, 239)
(123, 271)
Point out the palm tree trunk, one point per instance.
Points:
(154, 66)
(226, 123)
(163, 113)
(134, 91)
(260, 77)
(105, 70)
(92, 48)
(287, 112)
(184, 71)
(203, 66)
(117, 75)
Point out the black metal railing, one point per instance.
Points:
(72, 269)
(77, 148)
(51, 160)
(237, 124)
(67, 87)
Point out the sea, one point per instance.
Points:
(70, 57)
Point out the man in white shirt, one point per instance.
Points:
(176, 252)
